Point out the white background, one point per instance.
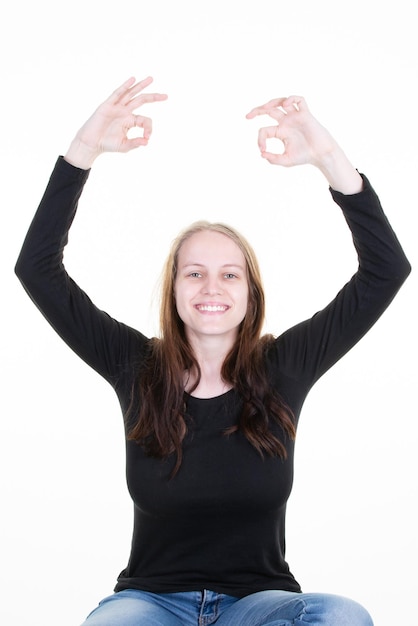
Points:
(66, 515)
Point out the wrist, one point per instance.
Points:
(341, 175)
(80, 155)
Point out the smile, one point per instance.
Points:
(212, 308)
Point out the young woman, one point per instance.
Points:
(211, 407)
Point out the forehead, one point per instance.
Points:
(210, 246)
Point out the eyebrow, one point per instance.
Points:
(224, 266)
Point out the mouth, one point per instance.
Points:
(212, 308)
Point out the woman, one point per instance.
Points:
(211, 407)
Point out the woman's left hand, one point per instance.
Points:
(305, 140)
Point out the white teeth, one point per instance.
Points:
(211, 308)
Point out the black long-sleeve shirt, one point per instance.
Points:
(220, 523)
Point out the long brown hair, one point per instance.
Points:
(159, 423)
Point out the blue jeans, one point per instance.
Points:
(201, 608)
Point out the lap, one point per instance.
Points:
(265, 608)
(283, 608)
(130, 608)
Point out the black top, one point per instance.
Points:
(220, 523)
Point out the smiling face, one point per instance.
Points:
(211, 286)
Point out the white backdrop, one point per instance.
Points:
(66, 515)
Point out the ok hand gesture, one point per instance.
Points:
(305, 140)
(107, 129)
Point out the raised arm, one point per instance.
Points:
(97, 338)
(312, 347)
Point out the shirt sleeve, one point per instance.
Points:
(104, 343)
(306, 351)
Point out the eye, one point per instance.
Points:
(229, 275)
(195, 275)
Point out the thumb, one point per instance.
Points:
(276, 159)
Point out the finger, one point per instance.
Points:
(275, 114)
(262, 109)
(270, 157)
(134, 142)
(295, 102)
(135, 89)
(122, 89)
(145, 123)
(267, 132)
(275, 159)
(143, 98)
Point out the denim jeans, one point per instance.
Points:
(201, 608)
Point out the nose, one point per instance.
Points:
(212, 286)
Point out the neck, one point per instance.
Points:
(210, 355)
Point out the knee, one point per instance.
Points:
(345, 612)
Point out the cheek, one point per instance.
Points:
(178, 291)
(248, 302)
(244, 300)
(180, 298)
(246, 296)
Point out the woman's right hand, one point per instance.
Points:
(107, 129)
